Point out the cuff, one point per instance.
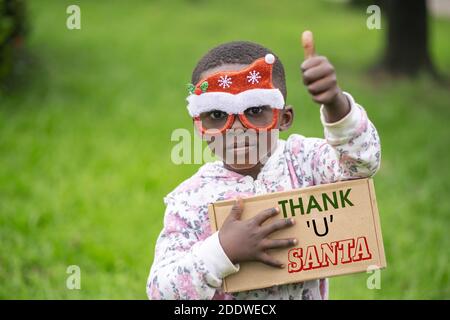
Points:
(216, 261)
(344, 129)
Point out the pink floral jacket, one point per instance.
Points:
(189, 261)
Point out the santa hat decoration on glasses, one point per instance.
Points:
(233, 92)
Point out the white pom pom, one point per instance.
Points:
(269, 58)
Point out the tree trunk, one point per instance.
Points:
(407, 38)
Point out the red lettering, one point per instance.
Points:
(329, 254)
(361, 250)
(295, 260)
(311, 259)
(344, 246)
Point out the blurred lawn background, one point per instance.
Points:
(85, 142)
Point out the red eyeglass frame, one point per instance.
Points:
(230, 120)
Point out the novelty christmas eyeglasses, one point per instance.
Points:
(217, 122)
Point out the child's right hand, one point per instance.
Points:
(248, 240)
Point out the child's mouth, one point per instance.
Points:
(242, 148)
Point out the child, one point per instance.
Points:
(241, 85)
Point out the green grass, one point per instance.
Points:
(85, 143)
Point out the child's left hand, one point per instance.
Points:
(320, 79)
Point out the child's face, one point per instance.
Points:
(245, 150)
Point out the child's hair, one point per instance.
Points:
(239, 52)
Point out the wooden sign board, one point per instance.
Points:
(337, 228)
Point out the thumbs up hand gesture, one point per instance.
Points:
(320, 79)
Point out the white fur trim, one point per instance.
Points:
(269, 58)
(234, 103)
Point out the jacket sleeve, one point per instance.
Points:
(185, 267)
(351, 148)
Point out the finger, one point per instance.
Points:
(312, 62)
(317, 73)
(278, 225)
(271, 261)
(322, 85)
(236, 210)
(265, 214)
(308, 44)
(279, 243)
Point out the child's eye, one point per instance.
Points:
(253, 111)
(217, 115)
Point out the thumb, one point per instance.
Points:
(308, 44)
(236, 210)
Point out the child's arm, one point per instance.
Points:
(350, 150)
(352, 146)
(183, 266)
(188, 268)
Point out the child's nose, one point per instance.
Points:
(237, 124)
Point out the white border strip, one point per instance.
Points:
(234, 103)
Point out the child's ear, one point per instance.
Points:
(287, 117)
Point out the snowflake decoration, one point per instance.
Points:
(253, 77)
(225, 82)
